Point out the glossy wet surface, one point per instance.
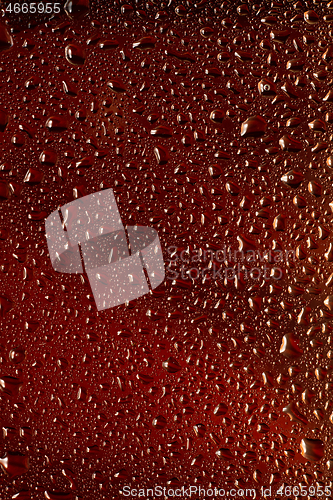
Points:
(212, 123)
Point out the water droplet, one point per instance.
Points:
(311, 17)
(22, 495)
(290, 346)
(75, 54)
(109, 44)
(317, 125)
(4, 192)
(315, 188)
(116, 85)
(267, 87)
(77, 8)
(58, 495)
(48, 157)
(162, 131)
(293, 178)
(217, 115)
(312, 449)
(224, 454)
(6, 41)
(255, 126)
(14, 464)
(33, 176)
(147, 42)
(159, 422)
(5, 305)
(220, 410)
(162, 154)
(289, 143)
(57, 123)
(3, 120)
(10, 385)
(17, 355)
(295, 415)
(171, 365)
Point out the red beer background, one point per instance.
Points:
(212, 123)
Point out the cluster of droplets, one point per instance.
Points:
(212, 124)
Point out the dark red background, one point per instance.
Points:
(91, 401)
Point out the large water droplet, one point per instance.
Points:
(77, 8)
(17, 355)
(6, 40)
(312, 449)
(171, 365)
(3, 120)
(290, 346)
(75, 54)
(14, 464)
(57, 123)
(147, 42)
(255, 126)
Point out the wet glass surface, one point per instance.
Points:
(212, 124)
